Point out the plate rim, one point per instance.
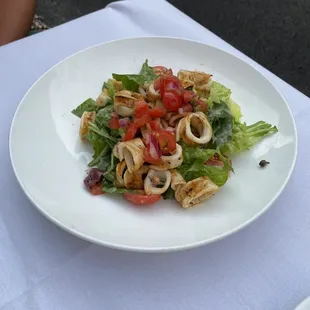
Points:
(156, 249)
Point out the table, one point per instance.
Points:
(264, 266)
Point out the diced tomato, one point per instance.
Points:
(155, 125)
(188, 96)
(114, 121)
(157, 84)
(157, 112)
(139, 199)
(149, 159)
(187, 107)
(200, 105)
(169, 72)
(130, 132)
(171, 101)
(141, 121)
(161, 70)
(171, 92)
(141, 113)
(96, 189)
(166, 140)
(170, 83)
(141, 108)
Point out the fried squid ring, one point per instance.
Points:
(124, 102)
(176, 180)
(195, 79)
(87, 117)
(194, 129)
(153, 94)
(157, 181)
(132, 152)
(195, 191)
(173, 161)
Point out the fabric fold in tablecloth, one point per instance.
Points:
(265, 266)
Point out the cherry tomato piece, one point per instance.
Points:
(149, 159)
(157, 112)
(96, 189)
(188, 96)
(141, 108)
(114, 123)
(141, 121)
(171, 101)
(155, 125)
(187, 107)
(139, 199)
(130, 132)
(166, 140)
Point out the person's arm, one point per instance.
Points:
(15, 19)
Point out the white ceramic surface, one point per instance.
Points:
(50, 161)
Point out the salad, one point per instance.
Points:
(159, 135)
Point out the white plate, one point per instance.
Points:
(50, 161)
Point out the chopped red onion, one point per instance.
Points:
(181, 111)
(155, 150)
(94, 176)
(124, 122)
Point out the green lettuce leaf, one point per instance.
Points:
(109, 86)
(102, 150)
(103, 132)
(118, 133)
(133, 81)
(103, 116)
(234, 109)
(192, 153)
(246, 136)
(197, 169)
(221, 121)
(110, 174)
(168, 194)
(88, 105)
(129, 81)
(147, 73)
(220, 93)
(108, 187)
(109, 178)
(194, 165)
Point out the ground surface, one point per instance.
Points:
(275, 33)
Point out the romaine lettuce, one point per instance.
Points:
(102, 150)
(220, 93)
(234, 109)
(109, 86)
(88, 105)
(133, 81)
(221, 122)
(246, 136)
(103, 116)
(194, 165)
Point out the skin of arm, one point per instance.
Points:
(15, 19)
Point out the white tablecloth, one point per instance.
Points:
(265, 266)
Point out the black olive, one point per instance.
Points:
(264, 163)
